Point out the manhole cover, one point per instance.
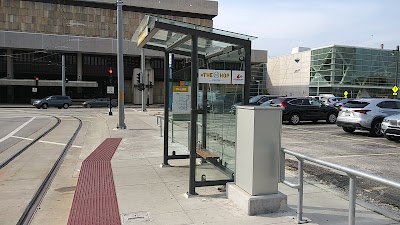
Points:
(135, 217)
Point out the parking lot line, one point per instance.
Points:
(349, 138)
(349, 156)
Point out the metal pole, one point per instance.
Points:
(63, 75)
(193, 118)
(204, 118)
(142, 68)
(120, 68)
(166, 110)
(172, 130)
(247, 78)
(397, 65)
(352, 200)
(148, 90)
(300, 192)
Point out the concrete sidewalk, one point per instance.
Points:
(148, 194)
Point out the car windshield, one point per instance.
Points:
(277, 101)
(356, 104)
(255, 99)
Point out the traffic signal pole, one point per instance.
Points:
(120, 59)
(142, 67)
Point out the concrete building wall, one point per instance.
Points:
(87, 19)
(289, 74)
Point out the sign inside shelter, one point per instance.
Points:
(238, 77)
(207, 76)
(181, 100)
(143, 35)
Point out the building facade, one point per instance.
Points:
(333, 70)
(34, 34)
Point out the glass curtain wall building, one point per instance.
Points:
(362, 72)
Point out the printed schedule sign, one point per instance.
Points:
(181, 100)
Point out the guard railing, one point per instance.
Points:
(351, 173)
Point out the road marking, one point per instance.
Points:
(349, 156)
(46, 142)
(16, 130)
(349, 138)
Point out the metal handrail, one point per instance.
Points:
(351, 173)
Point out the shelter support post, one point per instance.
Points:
(166, 108)
(247, 69)
(193, 118)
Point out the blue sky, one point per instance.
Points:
(281, 25)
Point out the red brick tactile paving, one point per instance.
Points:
(95, 200)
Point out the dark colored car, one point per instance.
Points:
(100, 102)
(304, 109)
(53, 101)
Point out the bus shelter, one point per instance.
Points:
(211, 127)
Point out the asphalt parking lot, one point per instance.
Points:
(328, 142)
(360, 151)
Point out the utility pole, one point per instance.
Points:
(143, 69)
(120, 68)
(63, 75)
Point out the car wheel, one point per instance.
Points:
(44, 106)
(294, 118)
(65, 106)
(349, 129)
(376, 128)
(332, 117)
(392, 138)
(88, 106)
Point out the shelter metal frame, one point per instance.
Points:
(184, 33)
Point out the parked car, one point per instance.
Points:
(391, 127)
(256, 100)
(304, 109)
(53, 101)
(367, 114)
(331, 100)
(342, 102)
(100, 102)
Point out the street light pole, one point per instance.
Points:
(120, 68)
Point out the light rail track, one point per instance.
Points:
(31, 208)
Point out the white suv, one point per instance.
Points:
(367, 114)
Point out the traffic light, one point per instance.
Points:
(138, 78)
(110, 71)
(36, 81)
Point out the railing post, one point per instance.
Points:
(300, 191)
(172, 130)
(282, 166)
(352, 199)
(160, 127)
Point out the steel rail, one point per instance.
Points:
(351, 173)
(30, 210)
(5, 163)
